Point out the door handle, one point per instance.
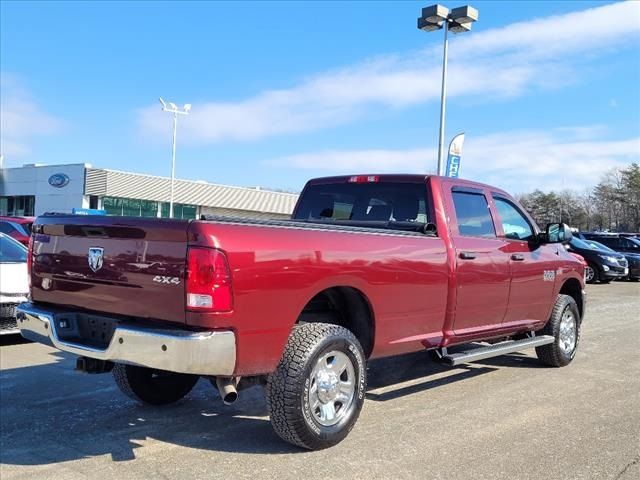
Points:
(468, 255)
(517, 257)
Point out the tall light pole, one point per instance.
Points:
(172, 108)
(457, 20)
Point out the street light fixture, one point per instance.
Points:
(172, 108)
(458, 20)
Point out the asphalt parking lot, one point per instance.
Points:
(507, 417)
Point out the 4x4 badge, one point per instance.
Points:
(95, 258)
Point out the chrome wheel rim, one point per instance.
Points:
(332, 388)
(588, 273)
(567, 332)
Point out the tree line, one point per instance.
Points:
(612, 205)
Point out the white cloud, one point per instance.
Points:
(497, 63)
(21, 118)
(517, 161)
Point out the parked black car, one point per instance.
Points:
(626, 245)
(603, 265)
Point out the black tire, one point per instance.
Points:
(288, 388)
(154, 387)
(596, 273)
(554, 354)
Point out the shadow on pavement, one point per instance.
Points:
(50, 414)
(12, 339)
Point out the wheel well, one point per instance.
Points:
(344, 306)
(573, 288)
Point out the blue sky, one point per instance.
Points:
(547, 92)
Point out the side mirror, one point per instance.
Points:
(557, 233)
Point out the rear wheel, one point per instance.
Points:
(591, 273)
(155, 387)
(316, 394)
(564, 325)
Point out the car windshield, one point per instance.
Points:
(599, 246)
(576, 242)
(11, 251)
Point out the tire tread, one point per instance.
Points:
(550, 354)
(283, 386)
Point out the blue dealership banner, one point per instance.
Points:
(88, 211)
(455, 153)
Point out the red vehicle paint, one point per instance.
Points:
(420, 292)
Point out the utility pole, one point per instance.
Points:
(185, 111)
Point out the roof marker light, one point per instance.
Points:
(364, 179)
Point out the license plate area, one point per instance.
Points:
(85, 329)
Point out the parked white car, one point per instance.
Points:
(14, 282)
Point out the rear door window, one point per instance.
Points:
(629, 244)
(473, 215)
(612, 242)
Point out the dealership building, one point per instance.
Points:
(35, 189)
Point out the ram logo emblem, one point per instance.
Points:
(95, 258)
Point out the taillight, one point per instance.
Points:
(208, 281)
(30, 259)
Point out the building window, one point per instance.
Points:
(22, 206)
(113, 206)
(131, 207)
(186, 212)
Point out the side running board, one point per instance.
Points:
(496, 350)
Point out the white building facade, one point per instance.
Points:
(32, 190)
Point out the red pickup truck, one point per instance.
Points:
(369, 266)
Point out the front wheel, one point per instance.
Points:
(591, 273)
(564, 325)
(316, 394)
(155, 387)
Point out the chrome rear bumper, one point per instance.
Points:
(182, 351)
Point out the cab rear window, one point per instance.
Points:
(364, 202)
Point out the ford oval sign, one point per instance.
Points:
(58, 180)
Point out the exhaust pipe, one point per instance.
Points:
(91, 365)
(227, 388)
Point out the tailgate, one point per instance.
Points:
(119, 265)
